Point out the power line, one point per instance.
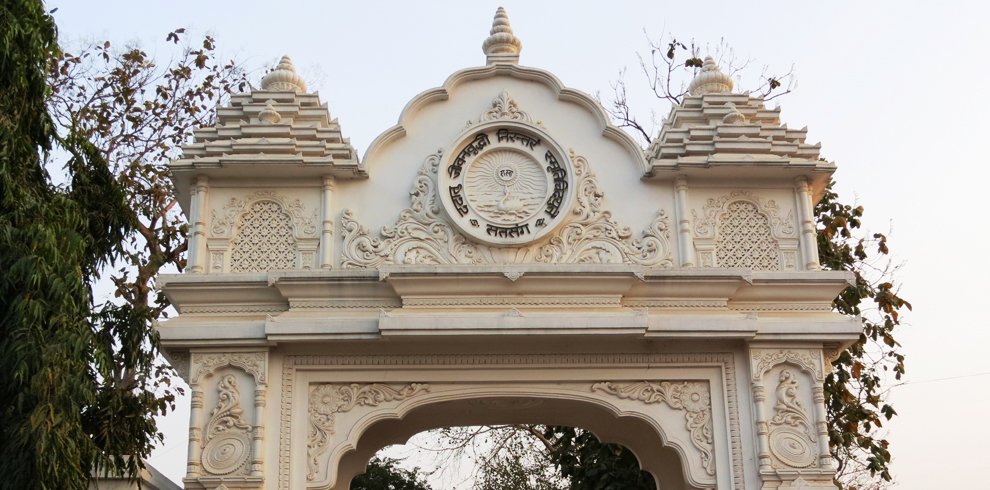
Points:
(961, 376)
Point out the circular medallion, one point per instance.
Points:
(506, 183)
(226, 452)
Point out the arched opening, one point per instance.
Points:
(638, 435)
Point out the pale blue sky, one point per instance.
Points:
(893, 90)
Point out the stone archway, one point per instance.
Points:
(635, 433)
(668, 410)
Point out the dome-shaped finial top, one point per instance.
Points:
(284, 78)
(710, 80)
(502, 46)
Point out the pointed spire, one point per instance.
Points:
(284, 78)
(502, 46)
(710, 80)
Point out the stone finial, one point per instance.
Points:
(269, 115)
(502, 46)
(710, 80)
(284, 78)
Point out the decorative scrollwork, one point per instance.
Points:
(327, 400)
(763, 360)
(227, 444)
(252, 363)
(706, 225)
(691, 396)
(503, 107)
(791, 435)
(422, 236)
(304, 224)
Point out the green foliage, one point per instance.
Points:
(79, 380)
(58, 422)
(854, 391)
(590, 464)
(385, 474)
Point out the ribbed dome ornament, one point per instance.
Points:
(710, 80)
(284, 78)
(502, 46)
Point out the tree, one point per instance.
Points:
(85, 378)
(59, 420)
(385, 474)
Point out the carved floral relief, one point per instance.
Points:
(693, 397)
(422, 234)
(227, 440)
(328, 400)
(792, 436)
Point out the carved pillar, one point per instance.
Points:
(258, 434)
(326, 239)
(809, 240)
(197, 212)
(685, 242)
(762, 431)
(824, 453)
(193, 468)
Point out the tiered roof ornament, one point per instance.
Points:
(277, 130)
(501, 46)
(717, 133)
(710, 80)
(284, 78)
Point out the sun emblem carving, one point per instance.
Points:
(507, 183)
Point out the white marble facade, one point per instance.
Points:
(503, 254)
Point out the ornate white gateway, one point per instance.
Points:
(503, 255)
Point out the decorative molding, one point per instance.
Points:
(422, 235)
(765, 359)
(724, 360)
(326, 400)
(504, 107)
(513, 275)
(253, 363)
(227, 443)
(693, 397)
(791, 432)
(485, 301)
(234, 309)
(718, 304)
(304, 225)
(758, 306)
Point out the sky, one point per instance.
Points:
(894, 91)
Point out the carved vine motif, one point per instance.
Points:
(504, 107)
(764, 360)
(327, 400)
(791, 435)
(304, 225)
(691, 396)
(227, 443)
(422, 236)
(252, 363)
